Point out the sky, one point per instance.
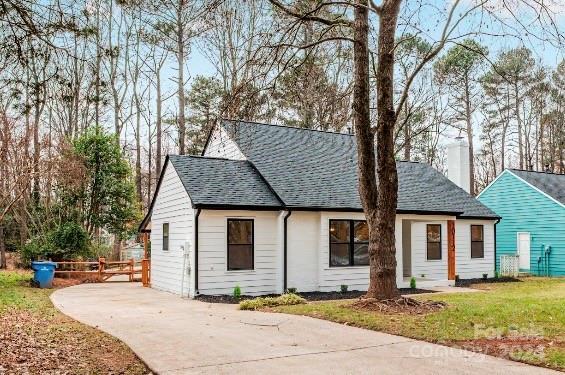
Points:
(515, 24)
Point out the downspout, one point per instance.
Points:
(496, 222)
(285, 250)
(196, 251)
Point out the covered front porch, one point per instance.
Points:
(428, 251)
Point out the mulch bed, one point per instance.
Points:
(401, 305)
(40, 343)
(468, 282)
(309, 296)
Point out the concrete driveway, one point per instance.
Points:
(177, 336)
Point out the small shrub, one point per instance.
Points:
(457, 278)
(412, 282)
(237, 292)
(496, 275)
(261, 302)
(485, 276)
(343, 288)
(291, 290)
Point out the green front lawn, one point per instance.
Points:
(521, 320)
(36, 338)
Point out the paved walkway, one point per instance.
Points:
(178, 336)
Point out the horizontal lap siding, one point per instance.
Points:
(465, 266)
(172, 205)
(214, 278)
(303, 249)
(432, 269)
(220, 145)
(356, 278)
(524, 209)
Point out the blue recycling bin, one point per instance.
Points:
(43, 273)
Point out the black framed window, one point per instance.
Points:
(477, 241)
(240, 244)
(433, 235)
(165, 236)
(349, 243)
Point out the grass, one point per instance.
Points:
(523, 321)
(37, 338)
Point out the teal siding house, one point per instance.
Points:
(532, 208)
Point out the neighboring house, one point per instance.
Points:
(271, 207)
(532, 207)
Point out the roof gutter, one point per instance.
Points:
(196, 251)
(285, 249)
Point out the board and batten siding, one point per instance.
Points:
(465, 266)
(213, 275)
(220, 145)
(525, 209)
(431, 269)
(173, 206)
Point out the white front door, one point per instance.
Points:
(524, 250)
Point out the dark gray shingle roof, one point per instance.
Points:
(222, 182)
(314, 169)
(550, 183)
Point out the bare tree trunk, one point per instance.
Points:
(159, 103)
(469, 123)
(519, 120)
(407, 137)
(383, 273)
(3, 264)
(180, 59)
(379, 202)
(138, 148)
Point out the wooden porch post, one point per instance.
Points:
(451, 249)
(145, 264)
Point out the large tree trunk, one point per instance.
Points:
(378, 198)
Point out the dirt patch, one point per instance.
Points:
(402, 305)
(63, 282)
(37, 343)
(309, 296)
(516, 348)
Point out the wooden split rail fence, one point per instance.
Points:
(102, 270)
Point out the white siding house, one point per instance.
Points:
(280, 242)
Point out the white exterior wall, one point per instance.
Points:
(432, 269)
(173, 206)
(303, 247)
(213, 275)
(221, 145)
(465, 266)
(355, 277)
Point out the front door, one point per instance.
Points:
(524, 250)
